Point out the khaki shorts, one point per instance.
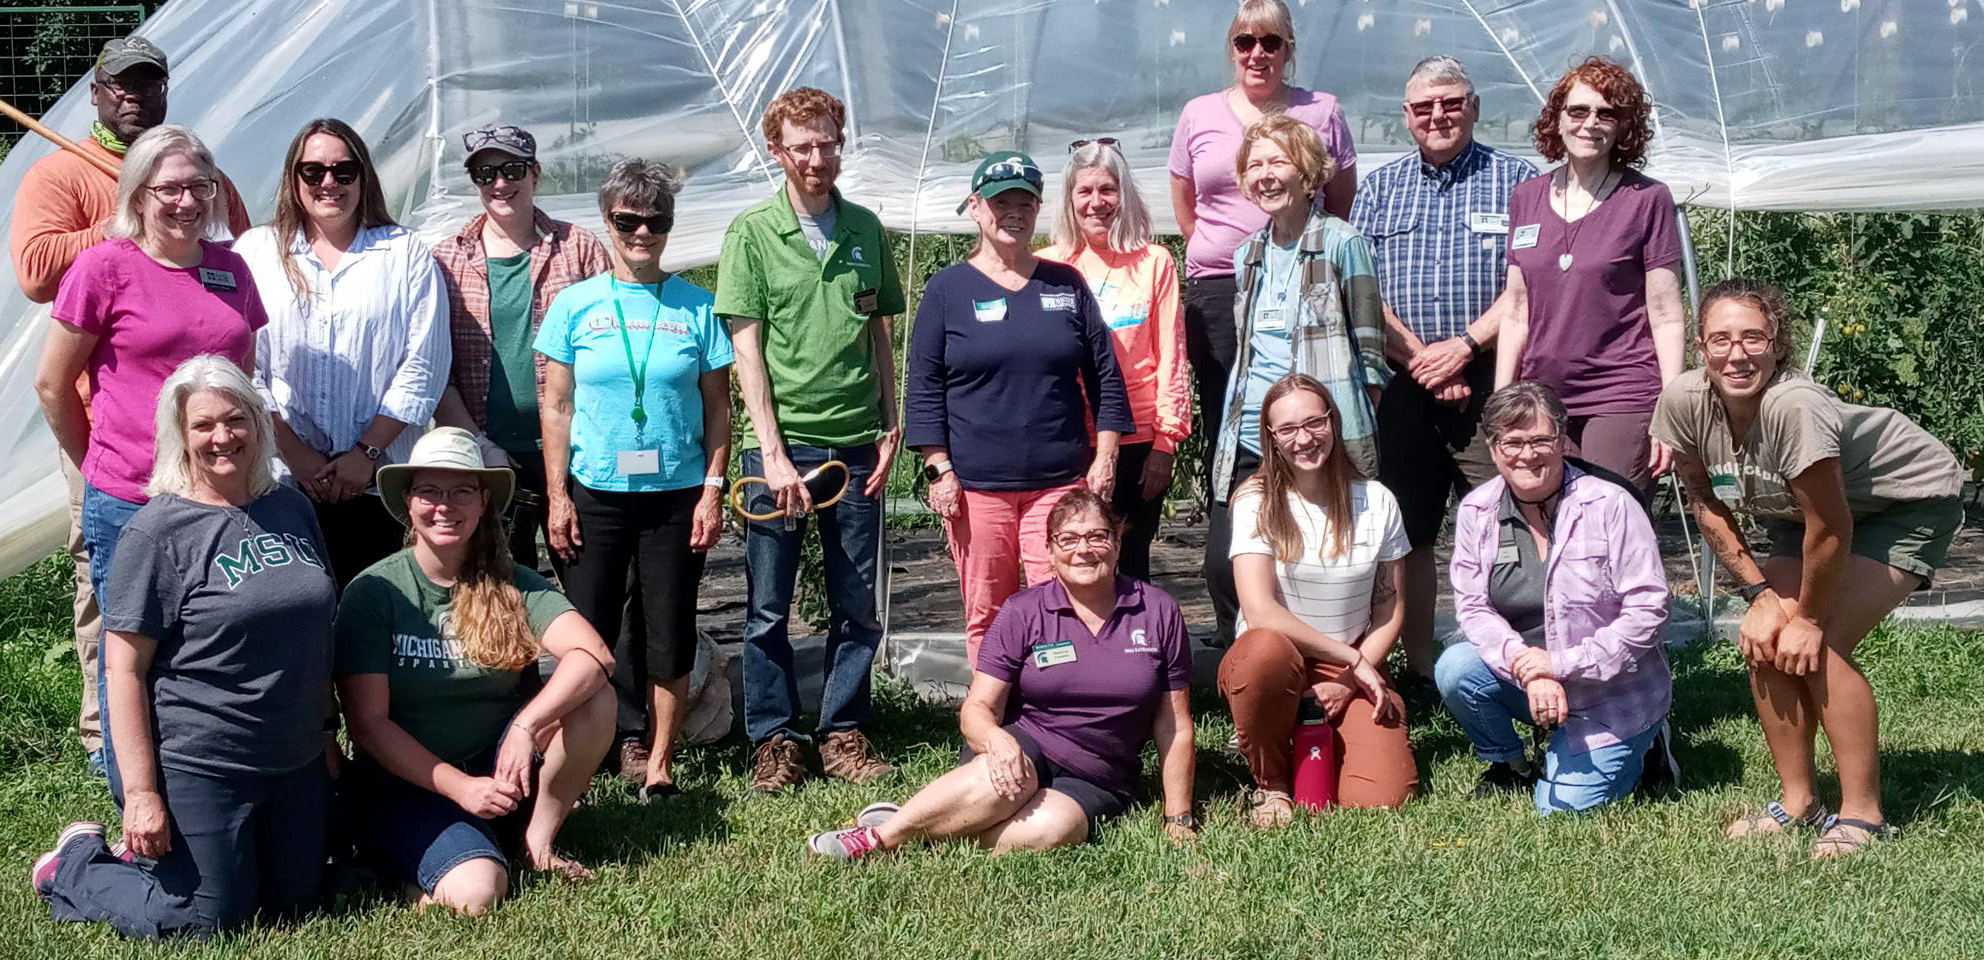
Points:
(1912, 536)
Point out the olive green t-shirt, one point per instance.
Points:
(393, 620)
(1883, 456)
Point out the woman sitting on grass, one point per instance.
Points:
(1075, 676)
(460, 754)
(1315, 563)
(217, 673)
(1860, 504)
(1560, 595)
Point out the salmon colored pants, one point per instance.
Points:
(999, 544)
(1264, 678)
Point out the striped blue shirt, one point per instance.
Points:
(1441, 235)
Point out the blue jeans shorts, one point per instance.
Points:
(412, 835)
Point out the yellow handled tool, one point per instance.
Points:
(737, 492)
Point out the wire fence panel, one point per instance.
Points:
(45, 49)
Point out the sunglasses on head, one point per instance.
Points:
(658, 223)
(1579, 112)
(1270, 42)
(344, 172)
(1098, 141)
(478, 139)
(484, 174)
(1011, 170)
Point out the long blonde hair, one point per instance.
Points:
(1275, 481)
(487, 614)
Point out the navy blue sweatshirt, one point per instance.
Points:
(1006, 381)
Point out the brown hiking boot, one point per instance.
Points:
(634, 761)
(849, 756)
(775, 765)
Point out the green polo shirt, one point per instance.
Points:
(818, 353)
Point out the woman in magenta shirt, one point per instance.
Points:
(158, 292)
(1593, 247)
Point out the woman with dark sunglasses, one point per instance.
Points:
(503, 270)
(636, 425)
(356, 352)
(1213, 212)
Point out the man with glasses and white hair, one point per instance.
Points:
(1438, 221)
(808, 285)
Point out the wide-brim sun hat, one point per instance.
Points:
(1003, 171)
(445, 448)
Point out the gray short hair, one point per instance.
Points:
(1131, 231)
(172, 470)
(141, 162)
(642, 185)
(1441, 69)
(1515, 405)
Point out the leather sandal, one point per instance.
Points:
(1270, 808)
(1836, 842)
(1779, 820)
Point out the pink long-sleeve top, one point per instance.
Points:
(1138, 295)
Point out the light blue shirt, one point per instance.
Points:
(1275, 310)
(680, 338)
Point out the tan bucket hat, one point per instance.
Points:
(444, 448)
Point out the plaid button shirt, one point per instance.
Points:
(1441, 235)
(563, 255)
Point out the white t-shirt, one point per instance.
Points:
(1333, 596)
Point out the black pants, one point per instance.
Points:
(1211, 344)
(1431, 451)
(648, 532)
(1140, 516)
(526, 514)
(357, 534)
(1219, 540)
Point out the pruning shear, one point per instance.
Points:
(791, 522)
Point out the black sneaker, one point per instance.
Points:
(1501, 778)
(1660, 773)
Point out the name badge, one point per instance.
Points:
(1053, 654)
(1725, 487)
(639, 463)
(865, 301)
(989, 311)
(1269, 318)
(1488, 222)
(1526, 236)
(1051, 302)
(219, 281)
(1507, 554)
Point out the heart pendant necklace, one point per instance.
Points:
(1571, 229)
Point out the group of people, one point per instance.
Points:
(312, 468)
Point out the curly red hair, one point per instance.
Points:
(1621, 89)
(803, 105)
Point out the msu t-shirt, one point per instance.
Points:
(240, 603)
(393, 620)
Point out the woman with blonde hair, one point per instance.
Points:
(462, 757)
(1315, 558)
(217, 653)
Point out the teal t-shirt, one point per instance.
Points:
(512, 419)
(393, 620)
(675, 334)
(1276, 305)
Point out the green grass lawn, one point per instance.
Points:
(721, 873)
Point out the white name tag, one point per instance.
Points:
(1526, 236)
(1507, 554)
(989, 311)
(1488, 222)
(1269, 318)
(639, 463)
(1053, 655)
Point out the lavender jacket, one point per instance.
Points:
(1605, 601)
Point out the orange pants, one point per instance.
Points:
(999, 543)
(1264, 678)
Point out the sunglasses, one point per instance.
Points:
(345, 172)
(658, 223)
(1427, 108)
(1270, 42)
(500, 136)
(1011, 170)
(484, 174)
(1579, 112)
(1098, 141)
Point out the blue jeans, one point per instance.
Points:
(1488, 707)
(102, 521)
(849, 534)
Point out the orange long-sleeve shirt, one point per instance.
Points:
(1138, 294)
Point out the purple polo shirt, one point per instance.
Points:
(1091, 715)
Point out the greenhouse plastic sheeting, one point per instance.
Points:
(1762, 105)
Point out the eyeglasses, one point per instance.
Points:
(134, 90)
(657, 223)
(1721, 344)
(1427, 108)
(345, 172)
(202, 190)
(1513, 447)
(484, 174)
(1098, 141)
(825, 149)
(452, 496)
(498, 135)
(1314, 427)
(1579, 112)
(1270, 43)
(1098, 539)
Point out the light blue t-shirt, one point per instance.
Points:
(681, 339)
(1275, 311)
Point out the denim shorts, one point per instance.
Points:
(1098, 803)
(412, 835)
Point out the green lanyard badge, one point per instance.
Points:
(640, 373)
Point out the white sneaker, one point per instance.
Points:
(875, 814)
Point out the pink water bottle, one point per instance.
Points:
(1315, 758)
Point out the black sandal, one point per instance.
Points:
(1817, 817)
(1844, 844)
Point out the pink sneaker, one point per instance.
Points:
(851, 844)
(42, 874)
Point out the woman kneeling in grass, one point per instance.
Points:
(1860, 504)
(460, 754)
(1075, 676)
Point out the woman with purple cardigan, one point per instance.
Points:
(1560, 593)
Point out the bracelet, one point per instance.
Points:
(717, 483)
(1472, 344)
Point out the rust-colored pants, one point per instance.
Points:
(1264, 678)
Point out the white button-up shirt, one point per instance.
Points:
(370, 339)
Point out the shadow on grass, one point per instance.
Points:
(1919, 783)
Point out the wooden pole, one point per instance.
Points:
(59, 140)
